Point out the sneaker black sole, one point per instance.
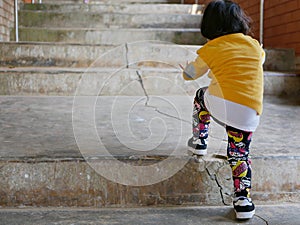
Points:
(244, 215)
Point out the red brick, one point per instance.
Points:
(7, 18)
(284, 8)
(295, 15)
(288, 40)
(293, 27)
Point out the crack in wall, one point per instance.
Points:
(214, 177)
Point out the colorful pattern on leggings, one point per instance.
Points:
(238, 158)
(201, 117)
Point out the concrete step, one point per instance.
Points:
(115, 1)
(110, 36)
(83, 55)
(116, 8)
(104, 81)
(26, 54)
(49, 20)
(283, 214)
(121, 81)
(52, 155)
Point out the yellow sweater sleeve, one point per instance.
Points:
(195, 69)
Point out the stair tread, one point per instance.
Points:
(113, 29)
(279, 213)
(115, 8)
(54, 122)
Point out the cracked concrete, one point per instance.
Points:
(286, 214)
(37, 141)
(215, 178)
(218, 172)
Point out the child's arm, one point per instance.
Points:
(195, 69)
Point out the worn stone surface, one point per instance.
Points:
(281, 84)
(49, 55)
(117, 150)
(98, 20)
(280, 60)
(108, 82)
(111, 36)
(144, 53)
(41, 164)
(77, 184)
(42, 126)
(118, 7)
(164, 81)
(74, 183)
(115, 1)
(286, 214)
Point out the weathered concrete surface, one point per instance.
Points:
(108, 82)
(276, 83)
(41, 165)
(286, 214)
(26, 54)
(83, 55)
(96, 20)
(165, 79)
(100, 23)
(115, 7)
(74, 183)
(111, 36)
(280, 60)
(42, 126)
(118, 150)
(115, 1)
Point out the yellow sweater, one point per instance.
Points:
(235, 61)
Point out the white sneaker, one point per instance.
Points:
(199, 146)
(243, 207)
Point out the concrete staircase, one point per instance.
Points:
(112, 24)
(122, 58)
(70, 34)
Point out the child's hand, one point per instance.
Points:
(182, 67)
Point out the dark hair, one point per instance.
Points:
(223, 17)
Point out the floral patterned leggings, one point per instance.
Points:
(237, 148)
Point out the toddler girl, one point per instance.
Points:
(234, 97)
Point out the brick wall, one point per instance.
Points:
(281, 23)
(252, 9)
(6, 19)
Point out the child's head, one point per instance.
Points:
(223, 17)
